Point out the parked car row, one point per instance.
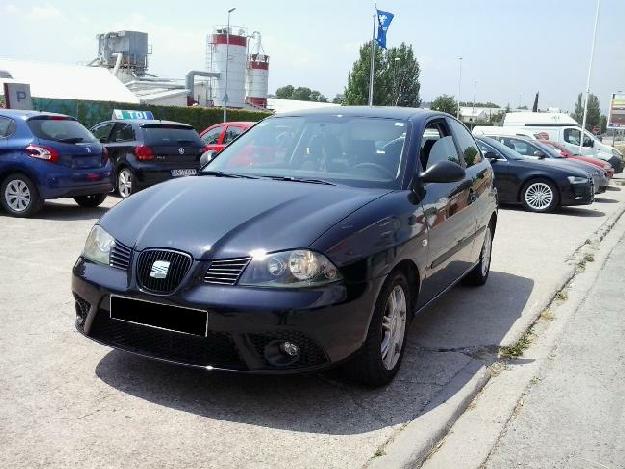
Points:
(47, 156)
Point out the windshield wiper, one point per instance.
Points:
(306, 180)
(226, 175)
(71, 140)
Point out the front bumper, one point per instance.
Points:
(327, 324)
(577, 194)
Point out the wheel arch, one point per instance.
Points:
(410, 270)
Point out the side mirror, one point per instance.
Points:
(206, 158)
(539, 154)
(442, 172)
(491, 156)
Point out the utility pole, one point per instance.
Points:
(372, 63)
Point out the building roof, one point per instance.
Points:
(61, 81)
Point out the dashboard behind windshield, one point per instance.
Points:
(357, 151)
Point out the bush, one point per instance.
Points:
(90, 113)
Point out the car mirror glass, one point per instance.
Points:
(207, 157)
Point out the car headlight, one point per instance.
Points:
(577, 179)
(98, 245)
(289, 269)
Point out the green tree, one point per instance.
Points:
(338, 99)
(604, 124)
(446, 104)
(593, 116)
(396, 79)
(285, 92)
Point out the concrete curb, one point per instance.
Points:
(412, 445)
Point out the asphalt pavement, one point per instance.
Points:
(67, 401)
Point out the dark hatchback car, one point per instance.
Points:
(311, 240)
(146, 152)
(539, 185)
(48, 156)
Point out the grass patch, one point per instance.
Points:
(547, 315)
(562, 295)
(516, 350)
(589, 258)
(378, 453)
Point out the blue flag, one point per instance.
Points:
(384, 21)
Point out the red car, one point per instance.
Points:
(218, 136)
(606, 167)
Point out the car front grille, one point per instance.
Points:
(120, 256)
(225, 271)
(164, 280)
(217, 349)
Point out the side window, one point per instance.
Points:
(7, 127)
(212, 136)
(437, 145)
(122, 133)
(571, 135)
(469, 150)
(102, 131)
(232, 132)
(519, 146)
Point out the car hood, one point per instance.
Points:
(210, 216)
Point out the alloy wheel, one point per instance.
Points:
(538, 196)
(17, 195)
(393, 327)
(124, 183)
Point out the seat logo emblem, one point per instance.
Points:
(159, 269)
(181, 151)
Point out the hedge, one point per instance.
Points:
(90, 113)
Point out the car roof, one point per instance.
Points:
(23, 114)
(388, 112)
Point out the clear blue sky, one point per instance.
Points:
(512, 48)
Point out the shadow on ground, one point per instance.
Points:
(66, 212)
(326, 403)
(603, 200)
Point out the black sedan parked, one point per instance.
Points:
(146, 152)
(311, 240)
(539, 185)
(534, 149)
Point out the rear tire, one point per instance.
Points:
(540, 195)
(479, 274)
(125, 183)
(19, 196)
(90, 201)
(378, 361)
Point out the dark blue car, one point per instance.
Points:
(49, 156)
(310, 241)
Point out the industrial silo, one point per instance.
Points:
(228, 47)
(257, 79)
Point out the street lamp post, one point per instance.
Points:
(227, 60)
(397, 82)
(592, 54)
(459, 85)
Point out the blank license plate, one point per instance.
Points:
(172, 318)
(183, 172)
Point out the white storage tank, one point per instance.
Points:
(234, 44)
(257, 79)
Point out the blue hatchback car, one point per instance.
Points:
(48, 156)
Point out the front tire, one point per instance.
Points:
(540, 195)
(378, 361)
(19, 196)
(90, 201)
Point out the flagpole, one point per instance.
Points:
(372, 64)
(592, 54)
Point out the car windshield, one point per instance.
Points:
(170, 135)
(507, 152)
(60, 129)
(356, 151)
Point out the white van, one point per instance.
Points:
(561, 128)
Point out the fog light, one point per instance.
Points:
(291, 349)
